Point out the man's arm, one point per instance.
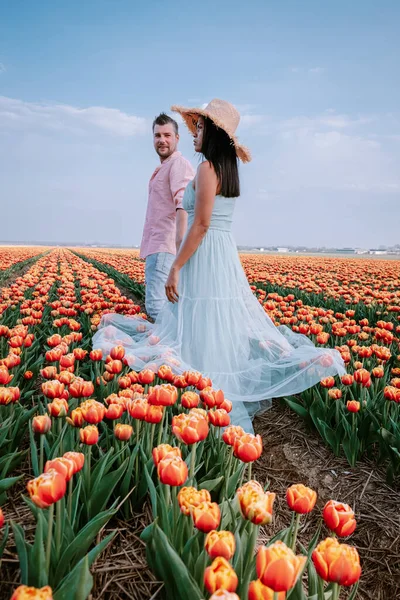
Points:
(181, 226)
(181, 174)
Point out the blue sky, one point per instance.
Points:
(317, 85)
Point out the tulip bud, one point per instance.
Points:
(339, 518)
(300, 498)
(41, 424)
(220, 575)
(337, 563)
(122, 432)
(89, 435)
(220, 543)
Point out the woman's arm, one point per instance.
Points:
(206, 188)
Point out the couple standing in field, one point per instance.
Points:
(206, 317)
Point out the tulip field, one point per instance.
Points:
(118, 484)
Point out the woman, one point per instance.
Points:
(213, 322)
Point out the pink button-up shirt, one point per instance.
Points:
(166, 188)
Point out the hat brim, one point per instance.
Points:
(190, 116)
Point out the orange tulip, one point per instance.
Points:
(154, 414)
(190, 400)
(49, 372)
(54, 340)
(391, 393)
(190, 428)
(220, 575)
(79, 353)
(58, 408)
(165, 451)
(255, 504)
(23, 592)
(226, 405)
(231, 433)
(180, 382)
(47, 489)
(78, 458)
(335, 562)
(353, 406)
(137, 408)
(339, 518)
(114, 367)
(172, 471)
(301, 499)
(165, 372)
(163, 395)
(52, 389)
(93, 411)
(89, 435)
(96, 355)
(189, 498)
(278, 567)
(65, 377)
(220, 543)
(206, 516)
(335, 394)
(224, 595)
(76, 418)
(203, 383)
(41, 424)
(146, 377)
(5, 396)
(117, 353)
(259, 591)
(219, 418)
(363, 377)
(347, 379)
(123, 432)
(62, 465)
(28, 375)
(115, 411)
(212, 398)
(328, 382)
(67, 361)
(248, 447)
(192, 377)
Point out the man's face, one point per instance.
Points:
(165, 140)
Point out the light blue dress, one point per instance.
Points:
(219, 328)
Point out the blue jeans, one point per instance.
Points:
(156, 273)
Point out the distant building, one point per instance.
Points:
(283, 249)
(375, 251)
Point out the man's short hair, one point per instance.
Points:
(164, 119)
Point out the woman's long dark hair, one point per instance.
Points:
(219, 150)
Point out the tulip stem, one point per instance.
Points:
(321, 589)
(249, 471)
(161, 428)
(50, 519)
(192, 462)
(276, 595)
(70, 500)
(295, 531)
(153, 428)
(41, 450)
(167, 495)
(335, 591)
(58, 528)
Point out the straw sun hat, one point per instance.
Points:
(223, 114)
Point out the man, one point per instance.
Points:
(166, 221)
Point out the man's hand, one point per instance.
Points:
(171, 287)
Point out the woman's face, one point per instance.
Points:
(198, 136)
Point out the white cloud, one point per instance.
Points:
(2, 68)
(55, 117)
(311, 70)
